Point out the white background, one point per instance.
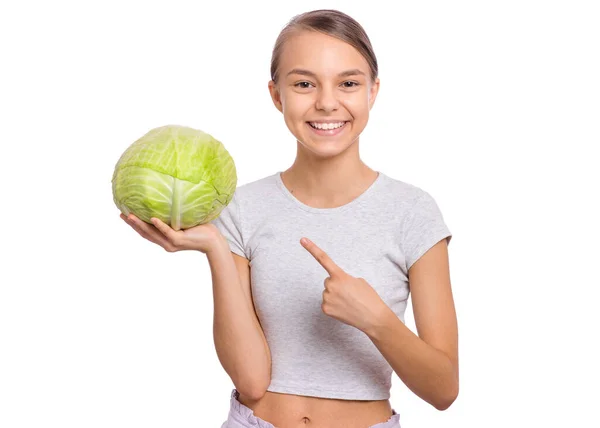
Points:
(492, 107)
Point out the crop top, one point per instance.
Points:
(377, 236)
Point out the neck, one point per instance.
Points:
(328, 181)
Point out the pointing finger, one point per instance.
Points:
(322, 257)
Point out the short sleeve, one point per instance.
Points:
(229, 223)
(423, 227)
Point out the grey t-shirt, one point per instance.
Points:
(377, 236)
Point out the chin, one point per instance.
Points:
(326, 148)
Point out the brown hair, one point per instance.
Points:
(333, 23)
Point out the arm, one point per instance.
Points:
(239, 339)
(427, 363)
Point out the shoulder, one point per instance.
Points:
(244, 209)
(256, 190)
(402, 192)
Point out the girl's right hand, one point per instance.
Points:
(203, 238)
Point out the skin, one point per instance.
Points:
(327, 173)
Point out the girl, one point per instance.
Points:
(310, 331)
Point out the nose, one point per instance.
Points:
(326, 99)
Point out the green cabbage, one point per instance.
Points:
(180, 175)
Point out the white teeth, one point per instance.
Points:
(327, 125)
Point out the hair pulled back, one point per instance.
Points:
(333, 23)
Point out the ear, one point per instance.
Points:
(275, 95)
(373, 91)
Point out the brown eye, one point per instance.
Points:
(298, 85)
(353, 84)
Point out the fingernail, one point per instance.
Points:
(304, 241)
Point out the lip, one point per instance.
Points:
(328, 121)
(329, 132)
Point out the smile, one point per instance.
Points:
(327, 130)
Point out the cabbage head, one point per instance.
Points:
(180, 175)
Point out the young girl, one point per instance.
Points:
(310, 332)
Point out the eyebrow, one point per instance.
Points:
(353, 72)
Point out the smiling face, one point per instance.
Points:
(323, 82)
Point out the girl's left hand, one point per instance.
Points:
(347, 298)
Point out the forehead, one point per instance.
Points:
(320, 53)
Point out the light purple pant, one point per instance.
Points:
(241, 416)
